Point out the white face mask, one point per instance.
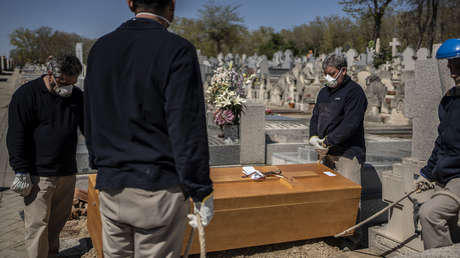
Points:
(64, 91)
(155, 15)
(331, 81)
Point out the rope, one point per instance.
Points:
(201, 236)
(418, 189)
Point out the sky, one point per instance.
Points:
(94, 18)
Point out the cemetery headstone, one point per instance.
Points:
(252, 136)
(288, 60)
(394, 47)
(79, 51)
(422, 54)
(408, 59)
(351, 55)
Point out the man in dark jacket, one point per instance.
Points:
(43, 118)
(146, 134)
(337, 121)
(440, 212)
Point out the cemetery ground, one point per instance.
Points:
(75, 241)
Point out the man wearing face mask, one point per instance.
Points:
(146, 134)
(336, 126)
(337, 121)
(43, 118)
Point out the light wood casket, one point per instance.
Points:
(306, 204)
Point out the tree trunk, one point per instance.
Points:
(434, 9)
(377, 27)
(219, 46)
(421, 22)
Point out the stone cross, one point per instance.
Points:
(394, 46)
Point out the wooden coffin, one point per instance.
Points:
(306, 204)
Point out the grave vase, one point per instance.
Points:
(232, 132)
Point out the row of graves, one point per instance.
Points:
(294, 82)
(242, 136)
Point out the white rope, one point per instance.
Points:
(201, 236)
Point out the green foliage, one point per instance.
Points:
(34, 46)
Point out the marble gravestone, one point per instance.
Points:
(394, 47)
(408, 59)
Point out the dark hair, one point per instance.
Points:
(150, 5)
(70, 65)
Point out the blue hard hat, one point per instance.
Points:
(449, 49)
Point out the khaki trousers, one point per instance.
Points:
(349, 168)
(46, 211)
(138, 223)
(438, 216)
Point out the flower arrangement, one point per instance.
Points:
(226, 94)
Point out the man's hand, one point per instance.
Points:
(316, 142)
(206, 210)
(22, 184)
(423, 184)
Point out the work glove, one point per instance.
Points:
(423, 184)
(22, 184)
(316, 142)
(206, 210)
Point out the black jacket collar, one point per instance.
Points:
(142, 24)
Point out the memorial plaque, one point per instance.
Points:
(308, 201)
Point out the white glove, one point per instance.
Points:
(316, 142)
(423, 184)
(206, 210)
(22, 184)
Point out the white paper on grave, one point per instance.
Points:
(329, 173)
(253, 173)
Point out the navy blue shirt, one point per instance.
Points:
(42, 130)
(339, 116)
(144, 105)
(444, 162)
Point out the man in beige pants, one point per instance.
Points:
(43, 119)
(146, 134)
(439, 215)
(336, 125)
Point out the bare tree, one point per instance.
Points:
(433, 22)
(374, 8)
